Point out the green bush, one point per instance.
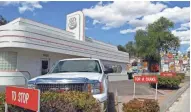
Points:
(141, 105)
(2, 102)
(56, 105)
(61, 102)
(82, 101)
(167, 82)
(181, 75)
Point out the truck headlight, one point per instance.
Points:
(31, 85)
(95, 88)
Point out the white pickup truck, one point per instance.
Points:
(75, 75)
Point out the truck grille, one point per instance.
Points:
(62, 87)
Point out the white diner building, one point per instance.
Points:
(29, 46)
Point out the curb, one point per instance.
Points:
(171, 99)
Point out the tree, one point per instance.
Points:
(131, 48)
(3, 21)
(161, 36)
(142, 42)
(155, 39)
(121, 48)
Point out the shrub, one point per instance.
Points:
(61, 102)
(82, 101)
(141, 105)
(2, 100)
(56, 105)
(181, 75)
(167, 82)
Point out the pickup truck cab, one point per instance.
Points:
(79, 74)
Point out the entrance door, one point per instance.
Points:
(44, 66)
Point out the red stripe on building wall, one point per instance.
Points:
(50, 42)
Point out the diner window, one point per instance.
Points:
(8, 60)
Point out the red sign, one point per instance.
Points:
(145, 79)
(168, 74)
(23, 97)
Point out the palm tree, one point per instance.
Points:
(3, 21)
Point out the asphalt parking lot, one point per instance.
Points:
(123, 88)
(126, 88)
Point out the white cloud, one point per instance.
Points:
(95, 22)
(175, 14)
(29, 6)
(106, 28)
(118, 13)
(184, 36)
(136, 14)
(86, 28)
(132, 30)
(24, 6)
(184, 26)
(188, 49)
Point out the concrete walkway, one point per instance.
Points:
(183, 103)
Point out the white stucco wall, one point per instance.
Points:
(30, 60)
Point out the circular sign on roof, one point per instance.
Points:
(72, 23)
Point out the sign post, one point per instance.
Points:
(134, 90)
(156, 92)
(145, 79)
(23, 97)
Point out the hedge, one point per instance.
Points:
(72, 101)
(167, 82)
(2, 100)
(181, 75)
(141, 105)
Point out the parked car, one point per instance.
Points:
(80, 74)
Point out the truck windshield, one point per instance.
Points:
(77, 66)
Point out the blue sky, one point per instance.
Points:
(110, 22)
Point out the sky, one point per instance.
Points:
(111, 22)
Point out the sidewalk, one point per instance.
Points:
(182, 104)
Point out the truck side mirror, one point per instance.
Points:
(109, 70)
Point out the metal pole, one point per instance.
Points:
(38, 100)
(134, 91)
(6, 107)
(116, 96)
(156, 92)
